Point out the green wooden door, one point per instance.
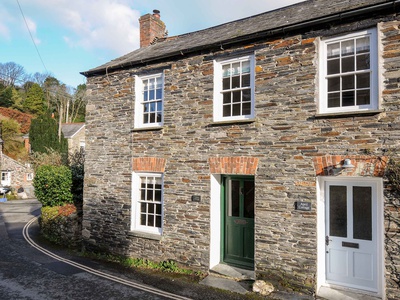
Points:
(239, 221)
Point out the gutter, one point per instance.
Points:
(390, 5)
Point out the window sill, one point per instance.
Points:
(348, 114)
(231, 122)
(155, 128)
(146, 235)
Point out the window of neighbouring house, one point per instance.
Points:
(147, 202)
(29, 176)
(149, 101)
(234, 89)
(5, 178)
(349, 73)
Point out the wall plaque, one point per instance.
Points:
(304, 206)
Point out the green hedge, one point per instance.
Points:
(53, 185)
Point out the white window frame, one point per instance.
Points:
(139, 102)
(374, 71)
(136, 201)
(218, 97)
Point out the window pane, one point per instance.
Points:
(348, 48)
(235, 82)
(151, 208)
(348, 82)
(152, 118)
(234, 208)
(158, 221)
(246, 95)
(159, 117)
(159, 105)
(226, 70)
(236, 96)
(159, 94)
(348, 98)
(149, 194)
(236, 69)
(363, 62)
(143, 207)
(334, 84)
(226, 83)
(246, 109)
(333, 66)
(158, 209)
(227, 111)
(157, 195)
(227, 98)
(150, 220)
(363, 97)
(333, 50)
(246, 66)
(159, 83)
(362, 213)
(246, 80)
(248, 199)
(338, 211)
(142, 194)
(145, 96)
(362, 45)
(145, 118)
(363, 80)
(151, 95)
(348, 64)
(143, 219)
(236, 109)
(334, 100)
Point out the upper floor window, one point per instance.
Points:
(147, 202)
(149, 101)
(349, 73)
(234, 89)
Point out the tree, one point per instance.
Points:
(6, 97)
(77, 108)
(43, 135)
(34, 102)
(10, 73)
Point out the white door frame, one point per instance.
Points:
(321, 210)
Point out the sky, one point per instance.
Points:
(66, 37)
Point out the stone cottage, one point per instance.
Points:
(15, 174)
(262, 143)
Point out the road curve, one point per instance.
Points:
(139, 286)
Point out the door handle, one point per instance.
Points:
(327, 240)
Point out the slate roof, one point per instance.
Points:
(70, 129)
(283, 20)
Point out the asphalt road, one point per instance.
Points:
(32, 269)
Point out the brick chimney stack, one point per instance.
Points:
(151, 28)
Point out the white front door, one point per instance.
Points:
(351, 234)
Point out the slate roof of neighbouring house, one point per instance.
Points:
(70, 129)
(278, 21)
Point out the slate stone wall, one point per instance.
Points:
(285, 136)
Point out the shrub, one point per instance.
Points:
(53, 185)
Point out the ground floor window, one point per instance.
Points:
(5, 178)
(147, 202)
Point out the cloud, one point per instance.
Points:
(32, 29)
(93, 24)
